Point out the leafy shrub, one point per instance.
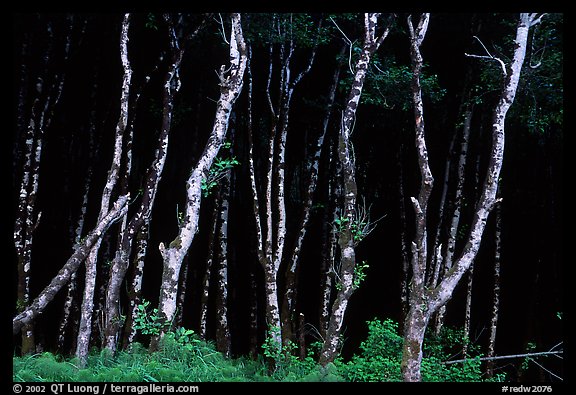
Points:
(381, 356)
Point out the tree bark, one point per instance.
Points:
(48, 91)
(426, 302)
(496, 293)
(291, 275)
(87, 309)
(346, 238)
(457, 203)
(61, 279)
(223, 342)
(173, 254)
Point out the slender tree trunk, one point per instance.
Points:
(27, 220)
(346, 238)
(208, 272)
(85, 330)
(329, 241)
(468, 312)
(404, 242)
(182, 288)
(291, 274)
(223, 342)
(173, 254)
(253, 317)
(425, 302)
(496, 293)
(458, 200)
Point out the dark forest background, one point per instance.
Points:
(532, 263)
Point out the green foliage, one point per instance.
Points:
(218, 170)
(183, 357)
(381, 355)
(148, 323)
(356, 227)
(303, 30)
(387, 83)
(359, 274)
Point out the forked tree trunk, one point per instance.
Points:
(425, 302)
(346, 238)
(231, 79)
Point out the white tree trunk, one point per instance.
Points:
(345, 238)
(173, 254)
(425, 302)
(87, 309)
(61, 279)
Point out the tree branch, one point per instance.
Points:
(531, 354)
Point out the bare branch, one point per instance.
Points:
(489, 56)
(531, 354)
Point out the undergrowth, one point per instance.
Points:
(184, 357)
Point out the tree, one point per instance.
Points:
(39, 105)
(87, 309)
(231, 80)
(171, 85)
(347, 240)
(423, 301)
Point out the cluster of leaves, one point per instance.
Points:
(218, 171)
(381, 355)
(288, 367)
(146, 322)
(273, 28)
(357, 227)
(387, 82)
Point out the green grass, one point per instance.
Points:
(183, 357)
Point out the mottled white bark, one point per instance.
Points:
(345, 238)
(87, 309)
(223, 342)
(455, 221)
(291, 274)
(61, 279)
(425, 302)
(173, 254)
(496, 293)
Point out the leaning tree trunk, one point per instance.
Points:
(172, 255)
(425, 302)
(85, 329)
(61, 279)
(346, 240)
